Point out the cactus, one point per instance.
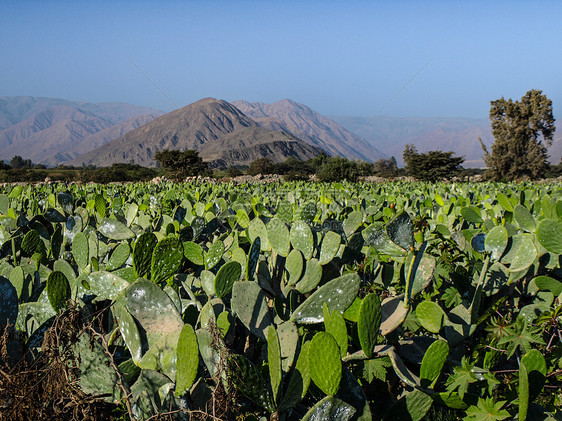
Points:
(294, 265)
(99, 204)
(412, 406)
(257, 229)
(324, 362)
(253, 257)
(56, 242)
(289, 340)
(31, 242)
(214, 254)
(308, 212)
(274, 361)
(299, 381)
(330, 246)
(285, 211)
(496, 241)
(106, 285)
(194, 253)
(166, 259)
(472, 215)
(544, 283)
(208, 282)
(18, 280)
(524, 218)
(338, 294)
(536, 371)
(311, 278)
(248, 380)
(523, 392)
(302, 238)
(226, 276)
(369, 322)
(58, 290)
(334, 324)
(352, 222)
(187, 359)
(278, 237)
(432, 363)
(330, 408)
(430, 316)
(209, 351)
(394, 312)
(549, 235)
(400, 230)
(9, 301)
(249, 305)
(119, 256)
(65, 267)
(93, 246)
(142, 254)
(115, 230)
(81, 250)
(522, 253)
(130, 333)
(375, 236)
(4, 204)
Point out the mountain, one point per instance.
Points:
(50, 130)
(306, 124)
(221, 133)
(459, 135)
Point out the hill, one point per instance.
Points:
(221, 133)
(306, 124)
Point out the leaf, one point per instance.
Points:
(324, 362)
(376, 369)
(432, 363)
(369, 322)
(58, 290)
(330, 408)
(519, 336)
(549, 234)
(166, 259)
(430, 316)
(487, 410)
(115, 230)
(142, 253)
(188, 359)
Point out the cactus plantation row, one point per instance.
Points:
(293, 301)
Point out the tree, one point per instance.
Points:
(522, 130)
(385, 167)
(180, 164)
(261, 166)
(337, 169)
(431, 166)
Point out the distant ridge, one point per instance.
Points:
(306, 124)
(221, 133)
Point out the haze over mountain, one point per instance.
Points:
(50, 130)
(221, 133)
(306, 124)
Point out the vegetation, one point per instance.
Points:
(522, 130)
(181, 164)
(431, 166)
(289, 301)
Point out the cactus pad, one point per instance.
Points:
(247, 379)
(324, 362)
(115, 230)
(311, 278)
(187, 359)
(278, 236)
(166, 259)
(432, 363)
(58, 290)
(249, 305)
(142, 253)
(330, 246)
(302, 238)
(226, 276)
(369, 322)
(430, 316)
(9, 301)
(330, 408)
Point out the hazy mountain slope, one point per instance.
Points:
(51, 130)
(216, 128)
(306, 124)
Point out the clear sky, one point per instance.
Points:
(338, 57)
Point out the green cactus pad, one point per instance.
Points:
(400, 230)
(253, 258)
(187, 359)
(412, 406)
(274, 361)
(330, 408)
(226, 276)
(522, 253)
(130, 333)
(257, 229)
(504, 202)
(194, 253)
(324, 363)
(294, 265)
(9, 301)
(430, 316)
(285, 211)
(106, 285)
(17, 278)
(119, 256)
(131, 213)
(334, 324)
(115, 230)
(242, 218)
(249, 305)
(544, 283)
(496, 241)
(289, 340)
(56, 242)
(422, 272)
(308, 212)
(524, 218)
(99, 204)
(58, 290)
(535, 364)
(278, 236)
(523, 392)
(330, 246)
(369, 322)
(208, 282)
(214, 254)
(471, 215)
(299, 381)
(208, 351)
(302, 238)
(31, 242)
(81, 250)
(376, 237)
(432, 363)
(311, 278)
(142, 253)
(338, 294)
(549, 234)
(247, 379)
(166, 259)
(352, 222)
(4, 204)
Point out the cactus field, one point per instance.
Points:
(281, 301)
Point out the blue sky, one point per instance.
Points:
(338, 57)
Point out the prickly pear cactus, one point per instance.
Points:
(535, 364)
(324, 363)
(549, 234)
(257, 229)
(249, 304)
(248, 380)
(253, 258)
(294, 265)
(142, 254)
(299, 381)
(412, 406)
(311, 278)
(338, 294)
(81, 250)
(166, 259)
(302, 238)
(330, 408)
(401, 230)
(226, 276)
(118, 257)
(115, 230)
(58, 290)
(369, 323)
(106, 285)
(432, 363)
(329, 248)
(352, 222)
(274, 361)
(187, 359)
(289, 341)
(278, 236)
(430, 316)
(214, 254)
(194, 253)
(334, 324)
(9, 301)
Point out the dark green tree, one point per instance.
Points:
(261, 166)
(431, 166)
(385, 167)
(522, 130)
(180, 164)
(337, 169)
